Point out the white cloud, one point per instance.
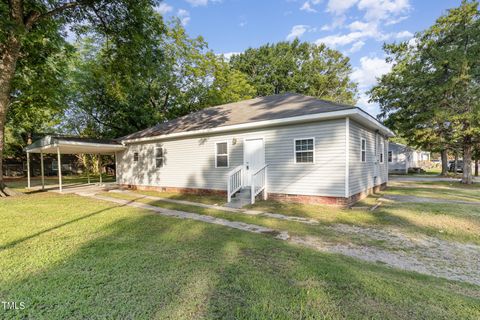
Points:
(184, 16)
(337, 22)
(308, 5)
(334, 41)
(198, 3)
(383, 9)
(366, 75)
(370, 69)
(340, 6)
(163, 8)
(370, 107)
(297, 31)
(395, 21)
(404, 34)
(356, 46)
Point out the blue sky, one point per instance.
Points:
(358, 28)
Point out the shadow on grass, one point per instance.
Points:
(146, 266)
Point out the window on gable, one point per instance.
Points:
(135, 157)
(363, 152)
(390, 156)
(159, 157)
(304, 150)
(221, 155)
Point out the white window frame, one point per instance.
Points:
(362, 151)
(162, 157)
(222, 154)
(295, 150)
(390, 156)
(138, 156)
(381, 155)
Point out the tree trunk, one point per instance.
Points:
(8, 61)
(467, 177)
(444, 156)
(476, 167)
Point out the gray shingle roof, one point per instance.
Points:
(259, 109)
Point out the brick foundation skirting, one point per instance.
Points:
(297, 198)
(175, 189)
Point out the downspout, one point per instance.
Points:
(347, 158)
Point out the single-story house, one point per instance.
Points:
(402, 158)
(287, 147)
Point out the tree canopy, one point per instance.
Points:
(298, 67)
(432, 94)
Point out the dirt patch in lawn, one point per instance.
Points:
(423, 254)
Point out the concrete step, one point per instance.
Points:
(238, 203)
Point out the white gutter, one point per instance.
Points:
(356, 113)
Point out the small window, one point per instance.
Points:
(221, 155)
(159, 157)
(304, 150)
(135, 157)
(390, 156)
(381, 152)
(363, 152)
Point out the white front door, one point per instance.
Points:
(253, 157)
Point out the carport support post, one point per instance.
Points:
(28, 170)
(100, 168)
(42, 172)
(59, 160)
(86, 168)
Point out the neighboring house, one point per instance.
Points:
(401, 158)
(289, 147)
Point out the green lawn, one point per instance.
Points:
(456, 222)
(20, 184)
(72, 257)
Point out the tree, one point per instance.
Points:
(431, 96)
(112, 97)
(22, 21)
(297, 67)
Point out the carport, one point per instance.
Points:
(68, 145)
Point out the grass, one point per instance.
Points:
(205, 199)
(72, 257)
(20, 184)
(457, 222)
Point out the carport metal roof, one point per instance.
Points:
(69, 145)
(74, 145)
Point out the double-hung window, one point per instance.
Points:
(390, 156)
(382, 150)
(305, 150)
(221, 155)
(363, 150)
(135, 156)
(159, 157)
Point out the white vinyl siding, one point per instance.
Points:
(362, 174)
(191, 161)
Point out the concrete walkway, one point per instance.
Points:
(283, 235)
(423, 254)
